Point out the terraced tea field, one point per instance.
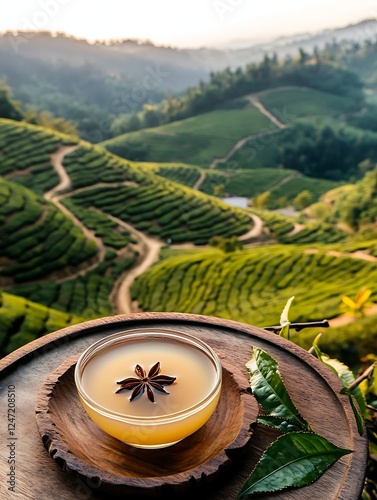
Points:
(48, 254)
(23, 321)
(247, 183)
(26, 154)
(198, 140)
(183, 216)
(88, 295)
(253, 285)
(188, 175)
(36, 238)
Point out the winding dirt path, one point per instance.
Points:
(296, 229)
(200, 181)
(352, 255)
(238, 146)
(65, 183)
(256, 231)
(54, 197)
(253, 99)
(284, 181)
(150, 248)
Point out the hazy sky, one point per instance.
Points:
(188, 23)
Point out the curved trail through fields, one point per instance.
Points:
(352, 255)
(150, 248)
(253, 99)
(296, 229)
(121, 296)
(200, 181)
(255, 231)
(284, 181)
(238, 146)
(65, 185)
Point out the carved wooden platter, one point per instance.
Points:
(313, 387)
(79, 446)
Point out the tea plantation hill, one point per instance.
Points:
(209, 136)
(245, 145)
(245, 182)
(253, 285)
(69, 231)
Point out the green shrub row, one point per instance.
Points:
(36, 236)
(23, 321)
(253, 285)
(87, 295)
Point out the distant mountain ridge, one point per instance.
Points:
(182, 67)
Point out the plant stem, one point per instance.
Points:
(300, 326)
(364, 376)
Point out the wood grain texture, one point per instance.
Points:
(80, 446)
(314, 390)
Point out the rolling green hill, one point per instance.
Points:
(198, 140)
(292, 103)
(45, 257)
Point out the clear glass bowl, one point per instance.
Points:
(190, 403)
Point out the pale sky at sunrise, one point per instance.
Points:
(180, 23)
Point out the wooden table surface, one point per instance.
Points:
(314, 390)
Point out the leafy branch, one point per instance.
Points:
(298, 457)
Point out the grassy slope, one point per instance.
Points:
(198, 140)
(289, 104)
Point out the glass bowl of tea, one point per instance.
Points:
(149, 388)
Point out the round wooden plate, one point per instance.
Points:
(79, 446)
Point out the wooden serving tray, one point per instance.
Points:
(313, 387)
(79, 446)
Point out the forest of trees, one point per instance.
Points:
(8, 107)
(328, 151)
(358, 207)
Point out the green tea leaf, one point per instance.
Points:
(284, 315)
(269, 389)
(347, 377)
(295, 459)
(358, 416)
(284, 332)
(284, 321)
(280, 424)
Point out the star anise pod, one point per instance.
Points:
(145, 382)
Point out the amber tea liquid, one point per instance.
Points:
(195, 374)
